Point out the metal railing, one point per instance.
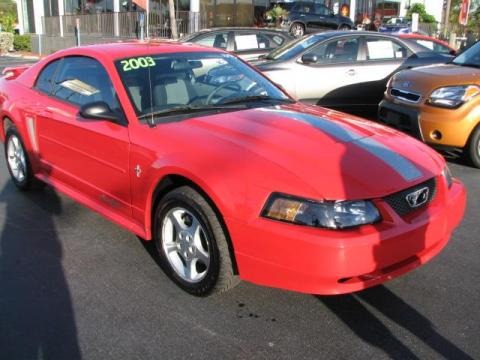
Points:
(123, 24)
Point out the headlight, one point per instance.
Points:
(326, 214)
(447, 175)
(453, 96)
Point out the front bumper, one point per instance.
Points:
(424, 122)
(319, 261)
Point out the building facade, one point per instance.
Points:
(34, 13)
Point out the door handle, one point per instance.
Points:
(351, 72)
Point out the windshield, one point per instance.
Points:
(192, 81)
(471, 57)
(294, 48)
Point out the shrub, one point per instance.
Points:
(6, 42)
(276, 14)
(22, 43)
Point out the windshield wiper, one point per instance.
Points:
(253, 98)
(185, 109)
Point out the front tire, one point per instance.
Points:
(344, 27)
(472, 150)
(192, 244)
(18, 163)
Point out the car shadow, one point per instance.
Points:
(36, 315)
(353, 311)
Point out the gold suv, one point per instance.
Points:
(439, 104)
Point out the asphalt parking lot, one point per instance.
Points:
(73, 285)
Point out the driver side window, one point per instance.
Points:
(82, 80)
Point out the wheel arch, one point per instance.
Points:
(170, 182)
(6, 124)
(475, 124)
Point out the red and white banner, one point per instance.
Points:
(464, 9)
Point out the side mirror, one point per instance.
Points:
(98, 110)
(309, 58)
(453, 52)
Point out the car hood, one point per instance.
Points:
(425, 79)
(340, 156)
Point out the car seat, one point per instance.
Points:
(174, 87)
(350, 51)
(220, 42)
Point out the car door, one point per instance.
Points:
(326, 20)
(249, 45)
(306, 14)
(246, 45)
(88, 157)
(380, 57)
(327, 79)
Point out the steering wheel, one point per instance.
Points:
(234, 85)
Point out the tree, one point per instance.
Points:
(8, 15)
(423, 16)
(173, 19)
(473, 16)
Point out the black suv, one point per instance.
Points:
(307, 17)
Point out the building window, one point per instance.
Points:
(50, 7)
(88, 6)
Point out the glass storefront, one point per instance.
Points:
(50, 7)
(371, 12)
(228, 12)
(87, 6)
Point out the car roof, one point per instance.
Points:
(423, 37)
(189, 37)
(328, 35)
(120, 50)
(239, 28)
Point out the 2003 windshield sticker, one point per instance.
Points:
(137, 63)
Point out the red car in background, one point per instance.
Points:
(232, 179)
(430, 43)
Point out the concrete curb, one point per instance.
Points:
(21, 56)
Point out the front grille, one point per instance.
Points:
(399, 203)
(400, 121)
(405, 95)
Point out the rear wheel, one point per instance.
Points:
(297, 30)
(472, 150)
(18, 163)
(192, 244)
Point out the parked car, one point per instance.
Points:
(439, 104)
(194, 149)
(429, 42)
(395, 25)
(248, 43)
(343, 70)
(308, 17)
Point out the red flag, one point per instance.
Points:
(464, 9)
(141, 3)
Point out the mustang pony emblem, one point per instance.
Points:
(418, 197)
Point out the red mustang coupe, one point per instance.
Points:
(231, 178)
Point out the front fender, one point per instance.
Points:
(236, 184)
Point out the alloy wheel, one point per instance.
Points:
(186, 244)
(16, 158)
